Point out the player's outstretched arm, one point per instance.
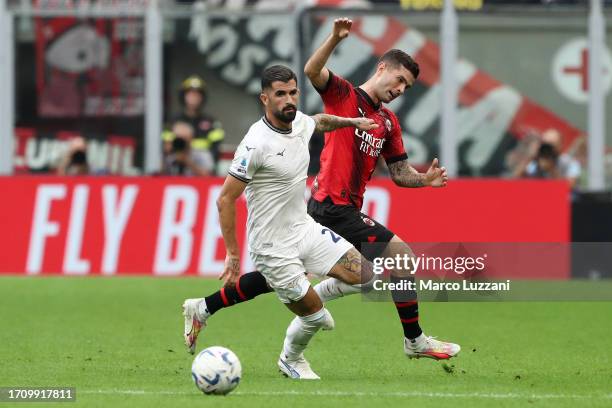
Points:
(404, 175)
(327, 123)
(226, 205)
(315, 66)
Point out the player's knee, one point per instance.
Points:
(321, 319)
(352, 279)
(367, 271)
(363, 274)
(367, 285)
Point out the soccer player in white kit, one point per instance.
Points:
(285, 243)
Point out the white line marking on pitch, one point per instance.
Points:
(360, 394)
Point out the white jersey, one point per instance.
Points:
(274, 163)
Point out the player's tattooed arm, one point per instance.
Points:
(327, 123)
(404, 175)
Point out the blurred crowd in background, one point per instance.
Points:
(192, 143)
(80, 103)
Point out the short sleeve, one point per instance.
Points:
(246, 162)
(335, 91)
(308, 125)
(393, 150)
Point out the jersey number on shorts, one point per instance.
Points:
(334, 237)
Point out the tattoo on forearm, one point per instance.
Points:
(327, 123)
(405, 175)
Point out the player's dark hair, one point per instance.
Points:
(397, 57)
(276, 73)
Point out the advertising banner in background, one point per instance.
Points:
(170, 226)
(39, 151)
(493, 116)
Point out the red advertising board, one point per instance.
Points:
(169, 226)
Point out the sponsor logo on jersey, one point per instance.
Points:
(370, 145)
(242, 166)
(368, 221)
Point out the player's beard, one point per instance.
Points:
(284, 115)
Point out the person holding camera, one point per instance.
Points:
(542, 156)
(181, 159)
(74, 162)
(545, 164)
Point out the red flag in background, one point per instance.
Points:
(89, 67)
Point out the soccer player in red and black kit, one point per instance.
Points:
(348, 160)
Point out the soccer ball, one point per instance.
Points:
(216, 370)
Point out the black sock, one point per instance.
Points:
(248, 286)
(407, 308)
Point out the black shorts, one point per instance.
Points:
(354, 226)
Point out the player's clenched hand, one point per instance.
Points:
(364, 123)
(342, 27)
(231, 270)
(436, 176)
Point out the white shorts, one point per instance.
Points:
(316, 254)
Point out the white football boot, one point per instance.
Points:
(298, 369)
(429, 347)
(194, 323)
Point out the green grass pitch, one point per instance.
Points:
(118, 341)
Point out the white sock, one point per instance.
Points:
(302, 329)
(202, 312)
(332, 288)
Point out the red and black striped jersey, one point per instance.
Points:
(350, 155)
